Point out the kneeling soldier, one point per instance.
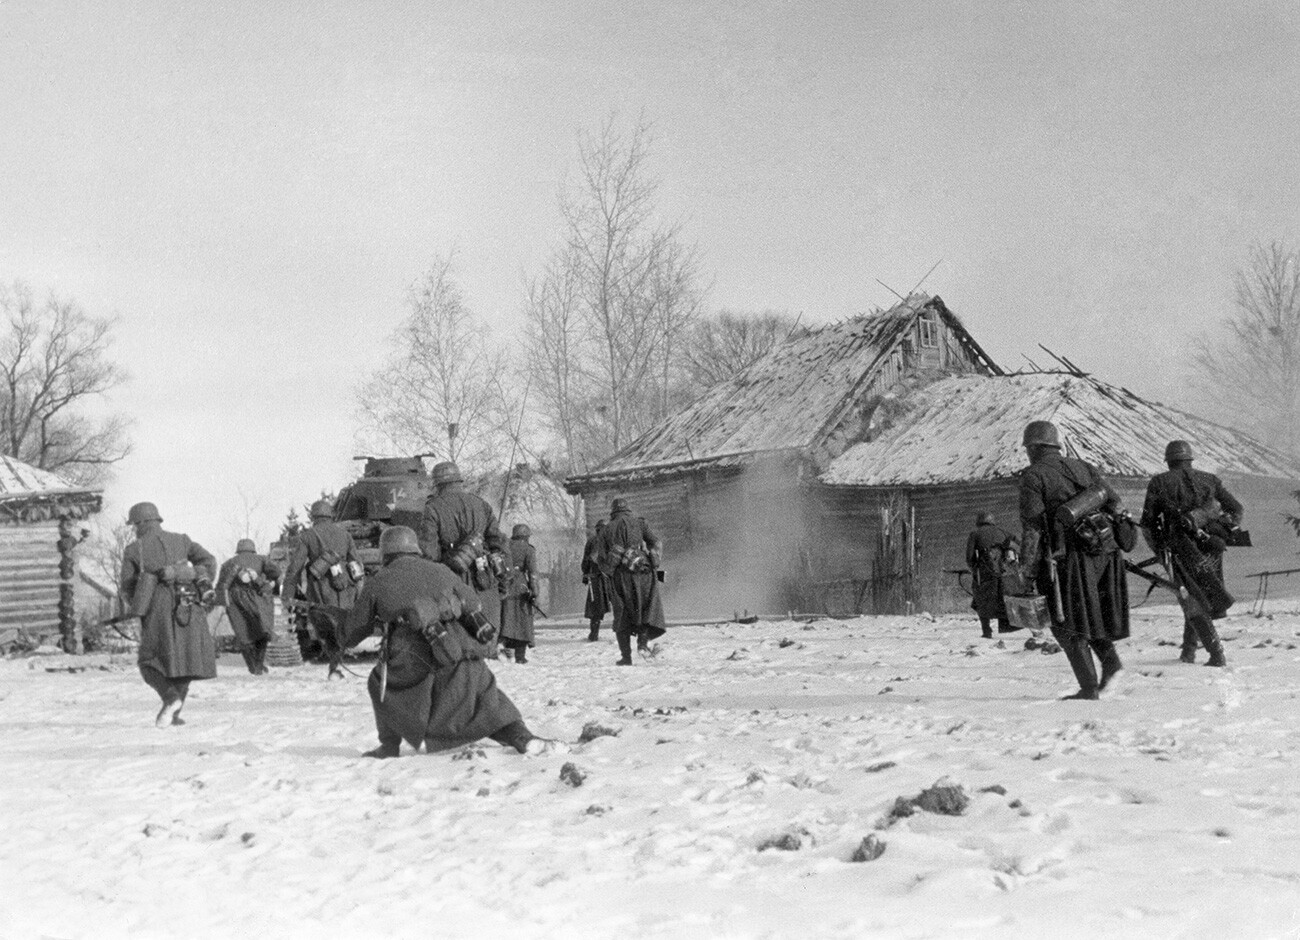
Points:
(431, 685)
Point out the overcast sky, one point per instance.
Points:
(252, 187)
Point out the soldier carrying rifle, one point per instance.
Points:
(1070, 549)
(1189, 518)
(326, 560)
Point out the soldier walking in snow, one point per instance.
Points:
(519, 593)
(166, 580)
(1082, 577)
(460, 530)
(988, 548)
(598, 590)
(629, 555)
(1186, 517)
(431, 685)
(244, 588)
(324, 570)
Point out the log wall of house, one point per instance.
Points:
(29, 579)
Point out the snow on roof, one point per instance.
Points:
(19, 480)
(786, 400)
(968, 428)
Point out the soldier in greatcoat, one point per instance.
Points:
(244, 587)
(629, 554)
(597, 605)
(166, 580)
(1092, 588)
(460, 530)
(431, 685)
(988, 548)
(518, 592)
(1182, 510)
(325, 570)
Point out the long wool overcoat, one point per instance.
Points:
(516, 612)
(441, 706)
(1199, 571)
(986, 549)
(638, 607)
(597, 604)
(249, 605)
(454, 516)
(1094, 588)
(174, 637)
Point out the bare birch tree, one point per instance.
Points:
(626, 288)
(1251, 363)
(54, 362)
(438, 392)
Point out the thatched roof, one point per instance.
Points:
(789, 400)
(968, 428)
(28, 494)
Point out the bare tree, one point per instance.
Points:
(53, 363)
(1251, 363)
(438, 391)
(105, 548)
(731, 341)
(607, 315)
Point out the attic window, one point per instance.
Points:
(929, 331)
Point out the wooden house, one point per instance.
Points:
(901, 503)
(40, 527)
(730, 482)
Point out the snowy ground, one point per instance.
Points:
(1172, 809)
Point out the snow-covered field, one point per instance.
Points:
(1170, 809)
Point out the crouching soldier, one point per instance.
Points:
(629, 555)
(988, 549)
(244, 588)
(166, 580)
(431, 685)
(1182, 510)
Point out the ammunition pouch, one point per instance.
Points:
(634, 559)
(328, 567)
(248, 576)
(463, 557)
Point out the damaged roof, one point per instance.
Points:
(787, 400)
(968, 428)
(20, 480)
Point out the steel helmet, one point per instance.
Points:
(142, 512)
(1178, 450)
(398, 540)
(984, 518)
(619, 505)
(446, 472)
(600, 524)
(521, 531)
(1041, 434)
(245, 545)
(322, 509)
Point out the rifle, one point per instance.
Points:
(338, 613)
(532, 602)
(1155, 580)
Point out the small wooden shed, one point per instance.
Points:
(41, 518)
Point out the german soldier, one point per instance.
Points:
(460, 530)
(629, 555)
(244, 588)
(597, 605)
(326, 559)
(519, 592)
(166, 579)
(431, 684)
(988, 548)
(1083, 580)
(1183, 508)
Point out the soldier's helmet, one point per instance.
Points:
(600, 524)
(1178, 450)
(398, 540)
(446, 472)
(142, 512)
(521, 531)
(322, 509)
(619, 505)
(1041, 434)
(984, 518)
(245, 545)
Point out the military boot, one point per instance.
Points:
(1216, 656)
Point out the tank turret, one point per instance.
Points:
(391, 491)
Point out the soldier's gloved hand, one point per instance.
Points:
(586, 580)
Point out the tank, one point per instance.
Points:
(391, 491)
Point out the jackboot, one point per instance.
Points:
(594, 635)
(521, 655)
(1079, 655)
(1216, 656)
(385, 750)
(624, 648)
(1188, 655)
(1209, 637)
